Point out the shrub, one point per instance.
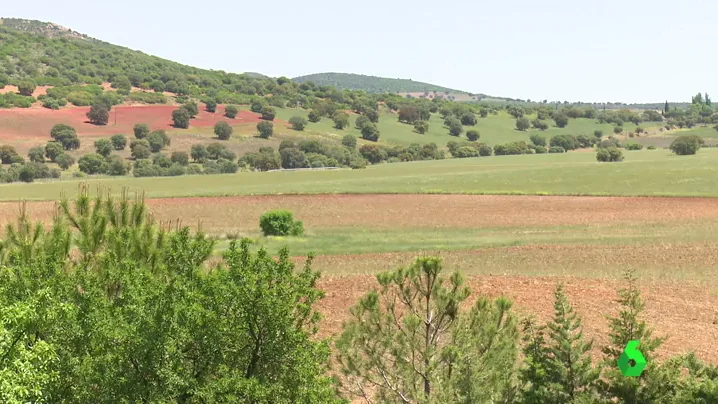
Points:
(99, 113)
(198, 153)
(231, 111)
(465, 151)
(65, 161)
(117, 166)
(370, 132)
(280, 223)
(180, 158)
(298, 123)
(538, 140)
(473, 135)
(357, 163)
(36, 154)
(92, 163)
(633, 146)
(511, 148)
(349, 141)
(523, 124)
(66, 135)
(485, 150)
(651, 147)
(210, 106)
(556, 149)
(540, 125)
(617, 129)
(606, 143)
(373, 153)
(26, 88)
(214, 150)
(268, 113)
(560, 119)
(292, 157)
(181, 118)
(27, 173)
(341, 120)
(598, 134)
(266, 129)
(222, 130)
(566, 142)
(610, 154)
(141, 131)
(421, 127)
(361, 121)
(119, 142)
(140, 149)
(53, 149)
(191, 108)
(686, 145)
(103, 147)
(314, 116)
(540, 149)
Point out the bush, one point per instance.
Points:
(181, 118)
(610, 154)
(357, 163)
(540, 149)
(65, 161)
(538, 124)
(523, 124)
(268, 113)
(314, 116)
(180, 158)
(538, 140)
(298, 123)
(117, 166)
(598, 134)
(373, 153)
(421, 127)
(266, 129)
(99, 113)
(210, 106)
(349, 141)
(103, 147)
(141, 131)
(119, 142)
(53, 149)
(633, 146)
(370, 132)
(485, 150)
(27, 173)
(231, 111)
(66, 135)
(292, 157)
(140, 149)
(556, 149)
(26, 88)
(222, 130)
(465, 151)
(341, 120)
(215, 149)
(280, 223)
(198, 153)
(361, 121)
(92, 163)
(511, 148)
(191, 107)
(686, 145)
(617, 129)
(473, 135)
(36, 154)
(566, 142)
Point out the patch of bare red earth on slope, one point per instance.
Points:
(682, 313)
(24, 123)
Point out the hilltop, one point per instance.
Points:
(46, 29)
(372, 84)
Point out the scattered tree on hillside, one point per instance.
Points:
(538, 140)
(266, 129)
(199, 153)
(421, 127)
(222, 130)
(349, 141)
(298, 123)
(370, 132)
(686, 145)
(53, 149)
(617, 129)
(119, 142)
(268, 113)
(103, 147)
(181, 158)
(314, 116)
(93, 163)
(472, 135)
(36, 154)
(192, 108)
(66, 135)
(141, 130)
(140, 149)
(341, 120)
(231, 111)
(26, 87)
(181, 118)
(523, 124)
(99, 114)
(65, 161)
(561, 119)
(210, 106)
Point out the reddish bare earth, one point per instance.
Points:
(35, 123)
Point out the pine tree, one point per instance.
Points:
(665, 108)
(534, 375)
(571, 368)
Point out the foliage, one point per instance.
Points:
(93, 163)
(298, 123)
(560, 119)
(538, 140)
(598, 134)
(268, 113)
(65, 161)
(103, 147)
(66, 135)
(53, 149)
(292, 157)
(99, 113)
(119, 142)
(181, 118)
(370, 84)
(370, 132)
(26, 87)
(523, 124)
(473, 135)
(556, 149)
(314, 116)
(421, 127)
(140, 149)
(36, 154)
(210, 106)
(231, 111)
(280, 223)
(686, 145)
(410, 341)
(222, 130)
(567, 142)
(349, 141)
(266, 129)
(198, 153)
(511, 148)
(341, 120)
(141, 130)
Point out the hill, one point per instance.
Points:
(47, 29)
(372, 84)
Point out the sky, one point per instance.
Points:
(559, 50)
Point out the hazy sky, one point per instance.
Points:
(585, 50)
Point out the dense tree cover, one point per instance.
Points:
(107, 306)
(370, 84)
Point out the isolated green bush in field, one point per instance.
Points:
(556, 149)
(280, 223)
(634, 146)
(231, 111)
(540, 149)
(686, 145)
(610, 154)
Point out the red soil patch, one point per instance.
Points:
(40, 90)
(19, 123)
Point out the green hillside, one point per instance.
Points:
(371, 84)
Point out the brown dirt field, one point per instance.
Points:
(683, 313)
(35, 123)
(435, 211)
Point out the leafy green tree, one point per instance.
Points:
(298, 123)
(617, 129)
(266, 129)
(280, 223)
(192, 108)
(361, 121)
(609, 154)
(372, 114)
(119, 142)
(99, 114)
(567, 142)
(222, 130)
(468, 119)
(341, 120)
(686, 145)
(27, 173)
(117, 166)
(210, 106)
(473, 135)
(538, 140)
(561, 119)
(349, 141)
(231, 111)
(65, 161)
(421, 127)
(410, 341)
(268, 113)
(454, 125)
(8, 155)
(53, 149)
(156, 142)
(141, 131)
(26, 88)
(373, 153)
(36, 154)
(314, 116)
(292, 157)
(256, 106)
(598, 134)
(214, 150)
(538, 124)
(181, 118)
(370, 132)
(66, 135)
(103, 147)
(93, 163)
(198, 153)
(523, 124)
(140, 149)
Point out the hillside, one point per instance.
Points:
(371, 84)
(47, 29)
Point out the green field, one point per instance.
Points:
(646, 172)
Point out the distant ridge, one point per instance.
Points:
(46, 29)
(372, 84)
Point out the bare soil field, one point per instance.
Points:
(35, 123)
(685, 314)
